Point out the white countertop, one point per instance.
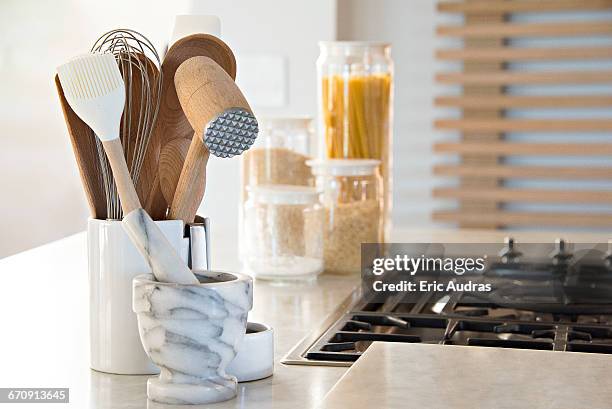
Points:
(425, 376)
(44, 315)
(45, 332)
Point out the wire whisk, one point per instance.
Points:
(140, 67)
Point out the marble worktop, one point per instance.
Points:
(44, 316)
(395, 375)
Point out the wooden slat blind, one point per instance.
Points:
(483, 191)
(514, 30)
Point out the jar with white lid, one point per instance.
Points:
(283, 228)
(353, 202)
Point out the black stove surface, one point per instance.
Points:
(521, 313)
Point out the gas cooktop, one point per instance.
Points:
(526, 311)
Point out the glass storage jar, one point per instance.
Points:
(353, 206)
(356, 107)
(283, 228)
(279, 154)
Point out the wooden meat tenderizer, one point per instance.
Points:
(223, 125)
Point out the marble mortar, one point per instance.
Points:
(192, 332)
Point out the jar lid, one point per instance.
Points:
(344, 167)
(283, 194)
(354, 44)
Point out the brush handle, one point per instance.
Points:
(165, 264)
(125, 186)
(192, 183)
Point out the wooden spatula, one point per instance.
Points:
(171, 121)
(86, 154)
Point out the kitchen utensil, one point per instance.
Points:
(94, 88)
(192, 332)
(143, 81)
(223, 123)
(199, 244)
(172, 123)
(171, 161)
(86, 154)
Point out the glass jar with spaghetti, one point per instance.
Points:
(355, 107)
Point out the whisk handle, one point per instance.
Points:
(125, 186)
(192, 183)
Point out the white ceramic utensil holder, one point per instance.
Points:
(114, 261)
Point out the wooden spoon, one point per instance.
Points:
(171, 121)
(86, 154)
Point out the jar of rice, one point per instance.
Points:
(283, 228)
(353, 202)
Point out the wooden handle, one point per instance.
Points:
(171, 160)
(156, 204)
(205, 90)
(192, 183)
(125, 186)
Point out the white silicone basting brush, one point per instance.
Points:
(95, 91)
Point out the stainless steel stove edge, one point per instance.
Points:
(296, 356)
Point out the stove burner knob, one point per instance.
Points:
(608, 256)
(509, 253)
(561, 255)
